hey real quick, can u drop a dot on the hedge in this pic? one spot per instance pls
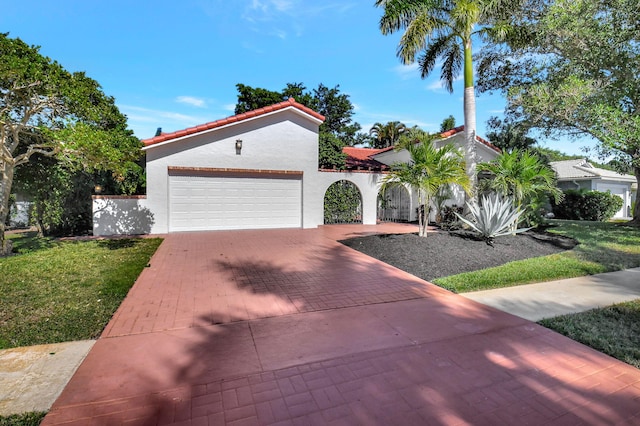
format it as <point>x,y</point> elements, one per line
<point>587,205</point>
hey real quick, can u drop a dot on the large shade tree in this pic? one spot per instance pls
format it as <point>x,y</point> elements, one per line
<point>46,110</point>
<point>427,173</point>
<point>574,70</point>
<point>444,30</point>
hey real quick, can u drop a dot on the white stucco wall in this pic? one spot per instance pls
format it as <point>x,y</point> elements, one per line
<point>119,215</point>
<point>286,140</point>
<point>368,183</point>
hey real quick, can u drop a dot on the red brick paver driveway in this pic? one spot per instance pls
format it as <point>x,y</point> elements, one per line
<point>289,327</point>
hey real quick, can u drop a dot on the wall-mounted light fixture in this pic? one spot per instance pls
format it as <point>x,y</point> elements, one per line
<point>97,189</point>
<point>238,146</point>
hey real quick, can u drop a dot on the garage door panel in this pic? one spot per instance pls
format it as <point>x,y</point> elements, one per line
<point>216,202</point>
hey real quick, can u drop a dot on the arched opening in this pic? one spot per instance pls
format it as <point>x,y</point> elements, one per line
<point>393,204</point>
<point>342,203</point>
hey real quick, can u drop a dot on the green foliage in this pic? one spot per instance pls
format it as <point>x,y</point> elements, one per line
<point>338,113</point>
<point>11,203</point>
<point>449,217</point>
<point>428,171</point>
<point>509,136</point>
<point>448,124</point>
<point>48,111</point>
<point>614,330</point>
<point>333,105</point>
<point>587,205</point>
<point>60,291</point>
<point>342,203</point>
<point>330,154</point>
<point>548,155</point>
<point>523,177</point>
<point>386,135</point>
<point>494,217</point>
<point>575,73</point>
<point>25,419</point>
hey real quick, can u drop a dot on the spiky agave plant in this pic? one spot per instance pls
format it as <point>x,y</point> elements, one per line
<point>495,217</point>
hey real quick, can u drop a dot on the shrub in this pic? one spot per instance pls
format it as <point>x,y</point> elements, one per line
<point>449,220</point>
<point>494,218</point>
<point>342,203</point>
<point>587,205</point>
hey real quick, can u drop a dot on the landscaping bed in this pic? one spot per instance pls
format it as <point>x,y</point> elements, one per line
<point>442,253</point>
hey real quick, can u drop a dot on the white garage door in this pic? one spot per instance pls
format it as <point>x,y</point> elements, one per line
<point>615,190</point>
<point>234,202</point>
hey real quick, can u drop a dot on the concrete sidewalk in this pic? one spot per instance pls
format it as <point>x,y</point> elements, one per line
<point>549,299</point>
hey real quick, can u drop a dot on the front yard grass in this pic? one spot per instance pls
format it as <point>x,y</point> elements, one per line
<point>614,330</point>
<point>26,419</point>
<point>56,291</point>
<point>604,247</point>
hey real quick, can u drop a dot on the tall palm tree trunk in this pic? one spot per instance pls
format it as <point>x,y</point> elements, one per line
<point>470,120</point>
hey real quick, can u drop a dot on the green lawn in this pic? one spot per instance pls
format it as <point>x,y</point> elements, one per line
<point>55,291</point>
<point>603,247</point>
<point>614,330</point>
<point>27,419</point>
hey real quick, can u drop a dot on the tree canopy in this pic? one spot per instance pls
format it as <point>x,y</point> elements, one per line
<point>46,110</point>
<point>509,136</point>
<point>448,124</point>
<point>386,135</point>
<point>572,67</point>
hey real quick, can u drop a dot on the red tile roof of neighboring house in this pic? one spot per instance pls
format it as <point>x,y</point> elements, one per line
<point>360,158</point>
<point>233,119</point>
<point>460,129</point>
<point>453,132</point>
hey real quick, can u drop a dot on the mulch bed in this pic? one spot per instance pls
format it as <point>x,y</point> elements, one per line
<point>442,254</point>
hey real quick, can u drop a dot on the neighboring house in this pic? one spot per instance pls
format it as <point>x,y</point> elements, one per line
<point>580,174</point>
<point>254,170</point>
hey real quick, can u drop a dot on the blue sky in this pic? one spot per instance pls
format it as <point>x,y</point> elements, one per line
<point>175,64</point>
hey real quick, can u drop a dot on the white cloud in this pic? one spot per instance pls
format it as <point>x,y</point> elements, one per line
<point>407,71</point>
<point>229,107</point>
<point>190,100</point>
<point>144,121</point>
<point>289,16</point>
<point>439,85</point>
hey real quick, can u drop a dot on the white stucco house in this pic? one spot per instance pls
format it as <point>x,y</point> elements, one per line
<point>254,170</point>
<point>581,174</point>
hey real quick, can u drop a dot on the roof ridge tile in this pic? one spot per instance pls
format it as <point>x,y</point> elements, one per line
<point>291,102</point>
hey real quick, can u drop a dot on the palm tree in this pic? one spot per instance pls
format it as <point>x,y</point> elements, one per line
<point>429,170</point>
<point>443,29</point>
<point>522,176</point>
<point>386,135</point>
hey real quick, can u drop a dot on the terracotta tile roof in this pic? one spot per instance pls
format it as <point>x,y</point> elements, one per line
<point>454,132</point>
<point>460,129</point>
<point>233,119</point>
<point>361,158</point>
